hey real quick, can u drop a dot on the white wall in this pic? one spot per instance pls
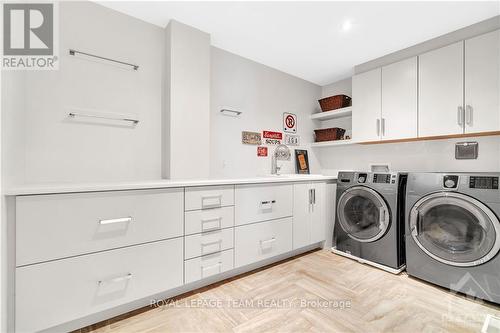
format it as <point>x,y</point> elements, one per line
<point>431,156</point>
<point>187,103</point>
<point>42,144</point>
<point>263,94</point>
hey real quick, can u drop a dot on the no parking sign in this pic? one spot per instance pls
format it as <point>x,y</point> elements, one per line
<point>289,123</point>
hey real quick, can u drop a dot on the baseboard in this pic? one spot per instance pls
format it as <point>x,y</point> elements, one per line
<point>368,262</point>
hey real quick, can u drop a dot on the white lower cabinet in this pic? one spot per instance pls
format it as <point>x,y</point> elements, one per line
<point>255,203</point>
<point>258,241</point>
<point>56,226</point>
<point>56,292</point>
<point>208,243</point>
<point>309,214</point>
<point>209,265</point>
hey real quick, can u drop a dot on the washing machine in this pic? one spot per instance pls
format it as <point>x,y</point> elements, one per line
<point>369,224</point>
<point>453,231</point>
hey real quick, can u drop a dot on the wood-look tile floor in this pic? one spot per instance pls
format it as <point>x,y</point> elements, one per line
<point>379,302</point>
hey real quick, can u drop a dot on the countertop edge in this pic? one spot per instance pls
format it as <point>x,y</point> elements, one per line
<point>124,186</point>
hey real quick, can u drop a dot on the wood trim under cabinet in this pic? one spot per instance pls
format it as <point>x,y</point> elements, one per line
<point>437,137</point>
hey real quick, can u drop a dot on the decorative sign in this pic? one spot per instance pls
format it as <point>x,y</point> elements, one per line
<point>301,161</point>
<point>251,138</point>
<point>272,142</point>
<point>262,151</point>
<point>289,123</point>
<point>272,135</point>
<point>292,140</point>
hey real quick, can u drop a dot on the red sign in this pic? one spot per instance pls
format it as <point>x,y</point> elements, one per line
<point>289,122</point>
<point>261,151</point>
<point>272,135</point>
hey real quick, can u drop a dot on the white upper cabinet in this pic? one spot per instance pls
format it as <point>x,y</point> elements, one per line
<point>399,100</point>
<point>441,91</point>
<point>366,106</point>
<point>482,83</point>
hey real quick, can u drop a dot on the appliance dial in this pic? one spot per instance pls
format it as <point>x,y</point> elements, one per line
<point>450,181</point>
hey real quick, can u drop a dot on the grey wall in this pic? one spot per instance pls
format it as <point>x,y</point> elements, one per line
<point>263,94</point>
<point>41,144</point>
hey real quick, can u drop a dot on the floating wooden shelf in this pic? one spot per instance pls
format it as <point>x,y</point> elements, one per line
<point>338,113</point>
<point>332,143</point>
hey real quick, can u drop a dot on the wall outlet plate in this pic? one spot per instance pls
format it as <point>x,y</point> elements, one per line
<point>466,150</point>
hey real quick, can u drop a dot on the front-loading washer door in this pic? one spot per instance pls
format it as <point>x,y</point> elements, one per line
<point>363,214</point>
<point>455,229</point>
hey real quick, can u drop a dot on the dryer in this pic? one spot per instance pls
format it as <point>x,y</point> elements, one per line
<point>453,231</point>
<point>369,224</point>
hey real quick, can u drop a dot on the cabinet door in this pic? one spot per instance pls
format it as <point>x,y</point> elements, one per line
<point>366,106</point>
<point>441,91</point>
<point>318,213</point>
<point>302,201</point>
<point>482,86</point>
<point>399,100</point>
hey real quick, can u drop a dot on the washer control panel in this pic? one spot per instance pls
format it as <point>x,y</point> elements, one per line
<point>484,183</point>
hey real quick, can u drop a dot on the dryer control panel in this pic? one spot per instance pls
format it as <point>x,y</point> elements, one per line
<point>486,183</point>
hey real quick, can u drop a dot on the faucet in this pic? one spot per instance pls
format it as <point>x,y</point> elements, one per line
<point>281,153</point>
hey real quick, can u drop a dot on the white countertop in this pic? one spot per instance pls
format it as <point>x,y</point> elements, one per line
<point>154,184</point>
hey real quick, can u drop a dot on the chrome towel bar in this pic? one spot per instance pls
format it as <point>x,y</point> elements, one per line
<point>75,114</point>
<point>75,52</point>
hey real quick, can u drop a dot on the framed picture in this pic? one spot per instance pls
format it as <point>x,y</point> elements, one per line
<point>301,161</point>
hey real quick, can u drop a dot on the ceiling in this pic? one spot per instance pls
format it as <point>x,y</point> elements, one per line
<point>312,40</point>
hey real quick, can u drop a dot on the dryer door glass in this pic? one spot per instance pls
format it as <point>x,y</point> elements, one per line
<point>363,214</point>
<point>455,229</point>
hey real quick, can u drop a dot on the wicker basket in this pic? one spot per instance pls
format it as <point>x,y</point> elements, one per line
<point>329,134</point>
<point>334,102</point>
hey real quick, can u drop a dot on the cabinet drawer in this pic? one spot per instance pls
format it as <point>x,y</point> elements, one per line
<point>63,225</point>
<point>197,221</point>
<point>209,197</point>
<point>56,292</point>
<point>207,243</point>
<point>256,203</point>
<point>263,240</point>
<point>202,267</point>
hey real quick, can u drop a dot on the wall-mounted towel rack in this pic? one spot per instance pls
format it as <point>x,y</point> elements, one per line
<point>86,115</point>
<point>75,52</point>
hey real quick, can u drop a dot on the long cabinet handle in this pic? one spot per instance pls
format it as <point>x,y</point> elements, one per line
<point>468,115</point>
<point>382,126</point>
<point>460,116</point>
<point>119,220</point>
<point>314,196</point>
<point>128,276</point>
<point>378,127</point>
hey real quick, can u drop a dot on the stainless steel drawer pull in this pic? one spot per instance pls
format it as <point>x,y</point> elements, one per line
<point>268,202</point>
<point>120,220</point>
<point>215,219</point>
<point>211,201</point>
<point>266,242</point>
<point>217,265</point>
<point>217,242</point>
<point>128,276</point>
